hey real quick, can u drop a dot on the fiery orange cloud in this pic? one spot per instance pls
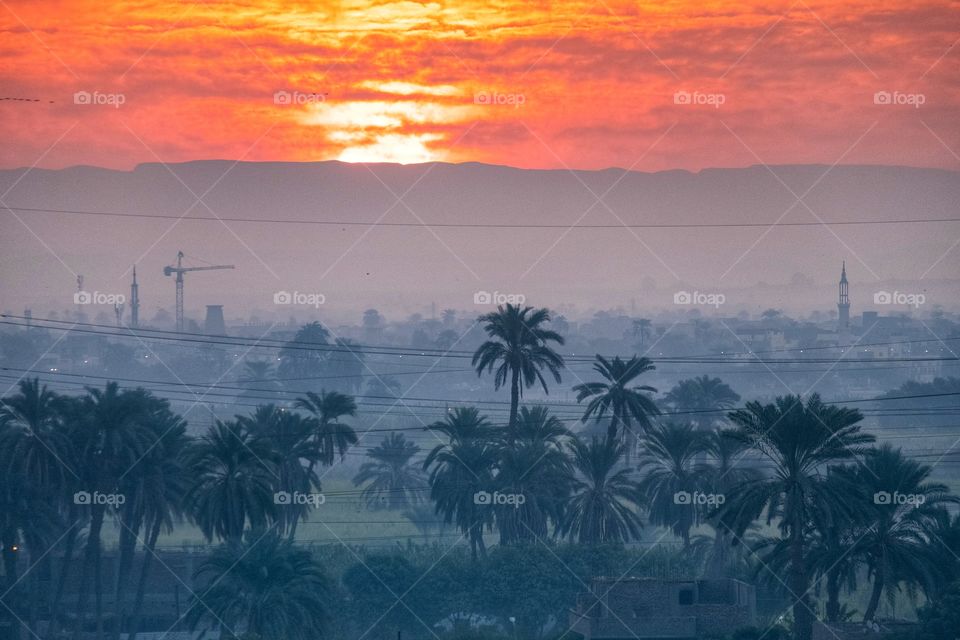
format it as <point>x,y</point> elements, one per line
<point>533,84</point>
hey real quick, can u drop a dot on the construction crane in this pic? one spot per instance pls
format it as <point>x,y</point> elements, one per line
<point>180,270</point>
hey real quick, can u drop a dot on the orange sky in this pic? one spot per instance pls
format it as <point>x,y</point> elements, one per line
<point>582,84</point>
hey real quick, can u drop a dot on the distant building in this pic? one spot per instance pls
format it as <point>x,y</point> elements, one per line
<point>656,609</point>
<point>843,305</point>
<point>214,324</point>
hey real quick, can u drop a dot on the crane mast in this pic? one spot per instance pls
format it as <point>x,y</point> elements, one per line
<point>179,270</point>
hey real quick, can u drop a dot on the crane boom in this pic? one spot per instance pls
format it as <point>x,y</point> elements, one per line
<point>180,270</point>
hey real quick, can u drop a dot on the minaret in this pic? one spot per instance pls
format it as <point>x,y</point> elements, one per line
<point>134,301</point>
<point>843,306</point>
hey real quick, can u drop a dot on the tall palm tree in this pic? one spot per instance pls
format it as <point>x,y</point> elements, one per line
<point>519,350</point>
<point>115,436</point>
<point>163,483</point>
<point>258,379</point>
<point>800,440</point>
<point>264,587</point>
<point>293,451</point>
<point>670,472</point>
<point>306,355</point>
<point>462,468</point>
<point>332,436</point>
<point>71,410</point>
<point>464,424</point>
<point>723,473</point>
<point>626,404</point>
<point>139,487</point>
<point>834,537</point>
<point>391,475</point>
<point>33,440</point>
<point>702,400</point>
<point>34,473</point>
<point>540,472</point>
<point>904,509</point>
<point>606,501</point>
<point>233,476</point>
<point>536,424</point>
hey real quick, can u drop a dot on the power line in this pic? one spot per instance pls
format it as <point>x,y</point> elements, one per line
<point>477,225</point>
<point>445,401</point>
<point>293,345</point>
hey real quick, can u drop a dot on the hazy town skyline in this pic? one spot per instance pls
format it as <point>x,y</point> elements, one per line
<point>400,238</point>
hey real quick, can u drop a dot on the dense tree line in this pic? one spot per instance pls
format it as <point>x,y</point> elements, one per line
<point>793,489</point>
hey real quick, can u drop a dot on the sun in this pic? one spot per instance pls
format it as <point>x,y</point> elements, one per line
<point>393,147</point>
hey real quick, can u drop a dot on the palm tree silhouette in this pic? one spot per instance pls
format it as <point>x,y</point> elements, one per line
<point>701,400</point>
<point>799,439</point>
<point>519,350</point>
<point>606,501</point>
<point>461,472</point>
<point>903,508</point>
<point>332,437</point>
<point>265,587</point>
<point>233,475</point>
<point>626,404</point>
<point>391,475</point>
<point>671,478</point>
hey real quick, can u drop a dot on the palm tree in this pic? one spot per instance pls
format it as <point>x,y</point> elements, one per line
<point>306,355</point>
<point>33,440</point>
<point>26,516</point>
<point>258,380</point>
<point>606,502</point>
<point>115,436</point>
<point>390,474</point>
<point>723,474</point>
<point>289,438</point>
<point>671,480</point>
<point>163,484</point>
<point>233,476</point>
<point>464,424</point>
<point>625,403</point>
<point>540,472</point>
<point>834,537</point>
<point>519,350</point>
<point>137,485</point>
<point>461,470</point>
<point>34,473</point>
<point>799,439</point>
<point>904,507</point>
<point>332,437</point>
<point>702,399</point>
<point>264,587</point>
<point>535,424</point>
